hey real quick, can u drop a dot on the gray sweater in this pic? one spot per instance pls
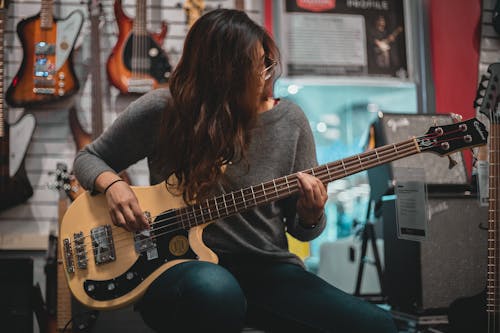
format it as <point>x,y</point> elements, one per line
<point>282,144</point>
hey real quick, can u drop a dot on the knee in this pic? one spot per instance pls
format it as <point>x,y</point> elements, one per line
<point>214,288</point>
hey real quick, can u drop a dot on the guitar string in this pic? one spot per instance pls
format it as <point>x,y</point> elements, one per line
<point>353,162</point>
<point>492,277</point>
<point>173,227</point>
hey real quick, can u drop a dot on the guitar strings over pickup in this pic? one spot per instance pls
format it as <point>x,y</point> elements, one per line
<point>102,244</point>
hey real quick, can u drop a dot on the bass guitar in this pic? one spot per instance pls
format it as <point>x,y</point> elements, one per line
<point>137,63</point>
<point>46,73</point>
<point>15,187</point>
<point>481,312</point>
<point>108,267</point>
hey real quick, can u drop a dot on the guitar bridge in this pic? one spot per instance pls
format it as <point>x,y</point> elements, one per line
<point>103,245</point>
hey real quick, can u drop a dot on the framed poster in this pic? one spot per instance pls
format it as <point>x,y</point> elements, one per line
<point>345,37</point>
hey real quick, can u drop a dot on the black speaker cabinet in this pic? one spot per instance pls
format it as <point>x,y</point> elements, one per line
<point>393,128</point>
<point>425,277</point>
<point>16,288</point>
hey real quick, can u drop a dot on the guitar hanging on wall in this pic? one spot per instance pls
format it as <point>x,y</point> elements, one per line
<point>108,267</point>
<point>489,108</point>
<point>137,63</point>
<point>46,73</point>
<point>82,138</point>
<point>481,312</point>
<point>15,187</point>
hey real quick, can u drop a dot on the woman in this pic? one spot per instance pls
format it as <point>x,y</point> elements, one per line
<point>217,129</point>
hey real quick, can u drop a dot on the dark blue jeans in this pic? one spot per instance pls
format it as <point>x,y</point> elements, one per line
<point>204,297</point>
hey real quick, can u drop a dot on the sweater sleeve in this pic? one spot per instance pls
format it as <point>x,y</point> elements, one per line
<point>305,158</point>
<point>129,139</point>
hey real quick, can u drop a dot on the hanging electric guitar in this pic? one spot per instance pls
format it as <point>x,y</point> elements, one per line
<point>82,138</point>
<point>108,267</point>
<point>137,63</point>
<point>15,187</point>
<point>46,73</point>
<point>481,312</point>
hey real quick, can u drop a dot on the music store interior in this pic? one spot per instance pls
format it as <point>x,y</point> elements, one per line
<point>401,98</point>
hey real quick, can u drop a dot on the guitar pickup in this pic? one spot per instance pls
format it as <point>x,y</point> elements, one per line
<point>103,245</point>
<point>44,83</point>
<point>68,256</point>
<point>42,48</point>
<point>44,91</point>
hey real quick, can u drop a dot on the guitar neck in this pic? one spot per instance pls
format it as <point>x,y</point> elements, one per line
<point>97,121</point>
<point>231,203</point>
<point>493,293</point>
<point>139,27</point>
<point>46,16</point>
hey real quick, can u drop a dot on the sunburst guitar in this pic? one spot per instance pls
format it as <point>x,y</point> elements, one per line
<point>138,62</point>
<point>46,74</point>
<point>108,267</point>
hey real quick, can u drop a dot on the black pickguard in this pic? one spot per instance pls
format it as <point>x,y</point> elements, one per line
<point>106,290</point>
<point>159,66</point>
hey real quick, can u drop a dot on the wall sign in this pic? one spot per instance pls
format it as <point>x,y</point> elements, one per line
<point>346,37</point>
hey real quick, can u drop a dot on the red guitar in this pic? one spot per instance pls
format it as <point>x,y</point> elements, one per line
<point>137,63</point>
<point>46,73</point>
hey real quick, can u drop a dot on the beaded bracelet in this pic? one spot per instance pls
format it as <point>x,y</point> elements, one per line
<point>113,182</point>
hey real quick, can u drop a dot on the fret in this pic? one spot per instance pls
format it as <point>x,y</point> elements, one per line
<point>209,211</point>
<point>328,171</point>
<point>343,166</point>
<point>287,185</point>
<point>264,192</point>
<point>312,172</point>
<point>194,214</point>
<point>396,149</point>
<point>234,202</point>
<point>360,163</point>
<point>275,188</point>
<point>376,153</point>
<point>253,193</point>
<point>180,216</point>
<point>243,197</point>
<point>225,204</point>
<point>217,207</point>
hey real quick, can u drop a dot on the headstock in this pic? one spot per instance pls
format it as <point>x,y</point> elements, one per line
<point>488,94</point>
<point>62,179</point>
<point>447,139</point>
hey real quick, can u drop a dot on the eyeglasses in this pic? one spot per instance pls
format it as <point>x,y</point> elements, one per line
<point>268,71</point>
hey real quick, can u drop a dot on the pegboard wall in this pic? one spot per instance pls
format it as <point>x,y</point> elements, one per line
<point>26,226</point>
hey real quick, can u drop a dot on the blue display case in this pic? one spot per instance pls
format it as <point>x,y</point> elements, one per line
<point>340,112</point>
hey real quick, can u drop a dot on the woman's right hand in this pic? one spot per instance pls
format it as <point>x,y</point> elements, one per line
<point>124,208</point>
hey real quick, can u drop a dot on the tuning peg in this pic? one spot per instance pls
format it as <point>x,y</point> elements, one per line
<point>456,117</point>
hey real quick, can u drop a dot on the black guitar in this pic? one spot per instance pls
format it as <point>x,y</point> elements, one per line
<point>15,187</point>
<point>481,313</point>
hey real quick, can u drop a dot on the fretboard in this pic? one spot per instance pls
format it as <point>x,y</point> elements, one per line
<point>139,27</point>
<point>237,201</point>
<point>493,295</point>
<point>46,17</point>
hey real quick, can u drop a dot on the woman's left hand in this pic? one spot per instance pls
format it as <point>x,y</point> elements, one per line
<point>312,199</point>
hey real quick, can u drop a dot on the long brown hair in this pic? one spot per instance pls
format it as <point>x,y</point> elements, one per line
<point>215,91</point>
